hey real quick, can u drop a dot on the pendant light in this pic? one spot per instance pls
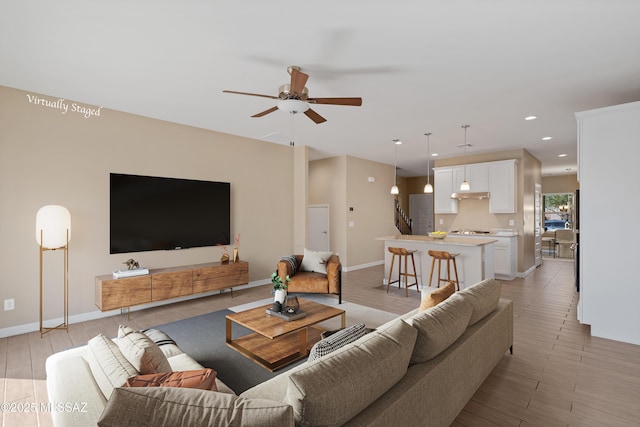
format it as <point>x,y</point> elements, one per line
<point>465,184</point>
<point>394,189</point>
<point>428,188</point>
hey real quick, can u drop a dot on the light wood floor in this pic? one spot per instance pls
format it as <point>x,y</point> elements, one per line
<point>558,375</point>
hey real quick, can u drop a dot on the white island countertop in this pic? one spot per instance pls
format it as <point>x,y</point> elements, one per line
<point>449,240</point>
<point>474,260</point>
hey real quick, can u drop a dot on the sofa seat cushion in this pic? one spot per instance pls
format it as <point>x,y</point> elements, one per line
<point>484,297</point>
<point>108,365</point>
<point>331,390</point>
<point>440,326</point>
<point>204,379</point>
<point>167,406</point>
<point>307,281</point>
<point>141,351</point>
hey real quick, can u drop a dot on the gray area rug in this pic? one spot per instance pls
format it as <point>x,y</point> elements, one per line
<point>203,338</point>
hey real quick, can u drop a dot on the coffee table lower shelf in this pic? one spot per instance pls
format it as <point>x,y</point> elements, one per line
<point>275,354</point>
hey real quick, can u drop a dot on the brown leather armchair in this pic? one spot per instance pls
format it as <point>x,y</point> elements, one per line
<point>312,282</point>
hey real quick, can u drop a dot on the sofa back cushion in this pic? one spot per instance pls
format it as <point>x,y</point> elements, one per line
<point>440,326</point>
<point>484,297</point>
<point>331,390</point>
<point>108,365</point>
<point>168,406</point>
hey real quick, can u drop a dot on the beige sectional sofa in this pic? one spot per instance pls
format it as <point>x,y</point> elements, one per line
<point>418,369</point>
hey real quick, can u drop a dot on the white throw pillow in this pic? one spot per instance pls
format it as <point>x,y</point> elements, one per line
<point>142,352</point>
<point>315,261</point>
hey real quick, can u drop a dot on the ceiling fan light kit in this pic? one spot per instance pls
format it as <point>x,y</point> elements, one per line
<point>293,106</point>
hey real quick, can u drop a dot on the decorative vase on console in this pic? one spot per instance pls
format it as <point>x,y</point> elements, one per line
<point>236,256</point>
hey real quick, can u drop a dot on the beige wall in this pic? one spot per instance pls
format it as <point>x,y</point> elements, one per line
<point>342,183</point>
<point>47,157</point>
<point>560,184</point>
<point>372,214</point>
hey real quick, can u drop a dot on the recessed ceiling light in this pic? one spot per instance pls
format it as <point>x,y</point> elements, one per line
<point>562,155</point>
<point>434,155</point>
<point>547,138</point>
<point>397,142</point>
<point>531,117</point>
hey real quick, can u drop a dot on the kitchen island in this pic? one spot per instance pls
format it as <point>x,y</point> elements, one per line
<point>475,262</point>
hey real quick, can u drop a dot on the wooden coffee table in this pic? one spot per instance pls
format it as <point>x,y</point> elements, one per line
<point>275,342</point>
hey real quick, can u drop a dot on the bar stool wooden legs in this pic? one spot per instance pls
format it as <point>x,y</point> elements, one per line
<point>403,254</point>
<point>444,256</point>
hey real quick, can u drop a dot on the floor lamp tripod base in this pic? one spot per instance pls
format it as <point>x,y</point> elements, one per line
<point>65,323</point>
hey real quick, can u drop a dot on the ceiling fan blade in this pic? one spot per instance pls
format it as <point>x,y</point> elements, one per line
<point>265,112</point>
<point>298,81</point>
<point>314,116</point>
<point>250,94</point>
<point>336,101</point>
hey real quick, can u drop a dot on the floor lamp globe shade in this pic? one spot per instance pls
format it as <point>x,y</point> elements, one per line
<point>53,226</point>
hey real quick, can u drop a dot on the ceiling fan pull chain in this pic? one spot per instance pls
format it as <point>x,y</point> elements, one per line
<point>292,143</point>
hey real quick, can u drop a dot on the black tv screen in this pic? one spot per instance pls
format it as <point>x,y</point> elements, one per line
<point>153,213</point>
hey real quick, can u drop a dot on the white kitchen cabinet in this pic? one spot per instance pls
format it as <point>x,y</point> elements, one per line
<point>478,177</point>
<point>502,197</point>
<point>458,177</point>
<point>505,257</point>
<point>443,179</point>
<point>498,178</point>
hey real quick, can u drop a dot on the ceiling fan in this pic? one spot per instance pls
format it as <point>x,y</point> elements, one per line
<point>294,97</point>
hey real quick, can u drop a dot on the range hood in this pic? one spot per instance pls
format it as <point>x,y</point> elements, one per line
<point>470,195</point>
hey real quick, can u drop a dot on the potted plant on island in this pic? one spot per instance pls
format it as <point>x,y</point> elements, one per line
<point>279,289</point>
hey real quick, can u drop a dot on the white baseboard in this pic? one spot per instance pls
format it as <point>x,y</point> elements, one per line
<point>93,315</point>
<point>361,266</point>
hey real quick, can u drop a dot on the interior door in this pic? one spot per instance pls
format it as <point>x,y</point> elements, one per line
<point>537,212</point>
<point>421,213</point>
<point>318,228</point>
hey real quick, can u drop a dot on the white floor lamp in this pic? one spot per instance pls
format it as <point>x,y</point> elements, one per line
<point>53,232</point>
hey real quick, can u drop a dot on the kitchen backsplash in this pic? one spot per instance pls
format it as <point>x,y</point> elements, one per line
<point>474,214</point>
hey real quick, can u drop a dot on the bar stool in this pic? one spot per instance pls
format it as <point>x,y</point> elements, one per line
<point>444,256</point>
<point>403,253</point>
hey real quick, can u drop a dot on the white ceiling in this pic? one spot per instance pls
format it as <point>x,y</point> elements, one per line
<point>419,66</point>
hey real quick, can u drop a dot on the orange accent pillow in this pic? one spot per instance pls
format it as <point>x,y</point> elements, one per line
<point>204,379</point>
<point>437,296</point>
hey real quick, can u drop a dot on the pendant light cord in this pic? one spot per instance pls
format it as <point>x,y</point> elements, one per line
<point>428,159</point>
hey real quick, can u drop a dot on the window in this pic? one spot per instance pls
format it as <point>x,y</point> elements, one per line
<point>558,211</point>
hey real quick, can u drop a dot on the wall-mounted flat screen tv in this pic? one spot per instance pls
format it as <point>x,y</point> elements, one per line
<point>151,213</point>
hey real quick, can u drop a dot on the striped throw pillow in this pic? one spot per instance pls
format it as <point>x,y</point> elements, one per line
<point>337,340</point>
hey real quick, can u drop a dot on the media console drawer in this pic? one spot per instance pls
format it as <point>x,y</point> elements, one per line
<point>212,277</point>
<point>166,283</point>
<point>117,293</point>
